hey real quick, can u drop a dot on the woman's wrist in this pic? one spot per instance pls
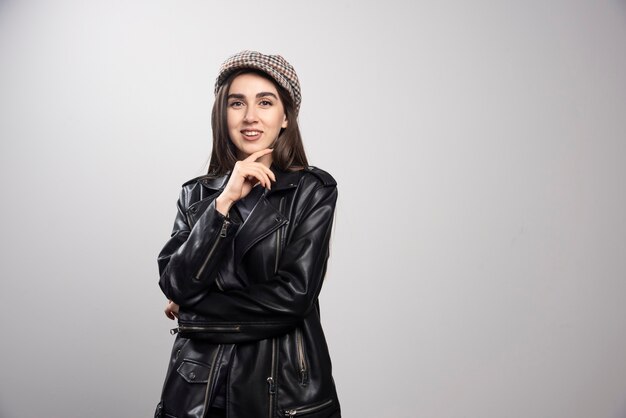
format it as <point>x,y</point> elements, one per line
<point>223,205</point>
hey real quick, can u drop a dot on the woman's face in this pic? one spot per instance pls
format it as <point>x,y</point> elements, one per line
<point>255,113</point>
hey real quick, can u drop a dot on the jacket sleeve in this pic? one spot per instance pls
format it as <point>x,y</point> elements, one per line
<point>191,257</point>
<point>277,305</point>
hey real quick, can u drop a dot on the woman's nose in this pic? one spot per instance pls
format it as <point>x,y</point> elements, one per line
<point>250,115</point>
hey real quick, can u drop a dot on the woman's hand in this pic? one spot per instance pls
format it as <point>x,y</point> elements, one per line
<point>246,173</point>
<point>171,310</point>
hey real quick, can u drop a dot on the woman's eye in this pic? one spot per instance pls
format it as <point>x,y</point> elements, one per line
<point>265,103</point>
<point>236,104</point>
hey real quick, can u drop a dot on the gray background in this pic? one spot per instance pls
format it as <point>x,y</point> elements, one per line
<point>479,251</point>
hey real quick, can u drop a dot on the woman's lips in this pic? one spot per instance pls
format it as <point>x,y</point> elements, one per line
<point>251,134</point>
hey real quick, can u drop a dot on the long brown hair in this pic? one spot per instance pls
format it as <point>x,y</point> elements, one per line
<point>288,154</point>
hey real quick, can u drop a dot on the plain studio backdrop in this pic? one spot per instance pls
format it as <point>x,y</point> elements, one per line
<point>478,259</point>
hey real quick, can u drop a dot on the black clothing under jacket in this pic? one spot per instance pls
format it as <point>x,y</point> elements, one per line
<point>248,295</point>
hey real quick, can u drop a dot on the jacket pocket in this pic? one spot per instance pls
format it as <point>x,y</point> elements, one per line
<point>303,364</point>
<point>189,378</point>
<point>193,371</point>
<point>308,409</point>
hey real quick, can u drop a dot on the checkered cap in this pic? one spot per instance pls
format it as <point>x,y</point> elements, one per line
<point>274,65</point>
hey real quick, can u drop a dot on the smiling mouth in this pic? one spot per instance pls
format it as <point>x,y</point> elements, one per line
<point>251,134</point>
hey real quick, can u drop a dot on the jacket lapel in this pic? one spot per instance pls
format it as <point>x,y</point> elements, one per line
<point>262,221</point>
<point>265,218</point>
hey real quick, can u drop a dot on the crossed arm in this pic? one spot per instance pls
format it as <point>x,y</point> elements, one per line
<point>266,308</point>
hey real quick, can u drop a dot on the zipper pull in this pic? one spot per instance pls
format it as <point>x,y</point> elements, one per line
<point>272,386</point>
<point>290,412</point>
<point>224,227</point>
<point>303,376</point>
<point>174,330</point>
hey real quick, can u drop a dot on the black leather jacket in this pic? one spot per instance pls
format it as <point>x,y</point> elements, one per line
<point>248,295</point>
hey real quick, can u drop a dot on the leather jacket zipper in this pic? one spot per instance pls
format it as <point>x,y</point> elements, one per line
<point>277,250</point>
<point>271,380</point>
<point>221,235</point>
<point>205,328</point>
<point>209,384</point>
<point>301,359</point>
<point>278,235</point>
<point>307,409</point>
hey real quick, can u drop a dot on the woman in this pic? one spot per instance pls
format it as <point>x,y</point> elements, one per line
<point>245,263</point>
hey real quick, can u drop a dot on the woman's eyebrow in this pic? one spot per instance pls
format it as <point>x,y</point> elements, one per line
<point>266,93</point>
<point>261,94</point>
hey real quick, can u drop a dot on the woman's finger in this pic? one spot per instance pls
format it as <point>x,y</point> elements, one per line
<point>266,170</point>
<point>261,175</point>
<point>170,310</point>
<point>255,155</point>
<point>269,172</point>
<point>168,313</point>
<point>266,177</point>
<point>257,172</point>
<point>249,170</point>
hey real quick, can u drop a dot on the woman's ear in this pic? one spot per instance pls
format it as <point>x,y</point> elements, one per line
<point>285,122</point>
